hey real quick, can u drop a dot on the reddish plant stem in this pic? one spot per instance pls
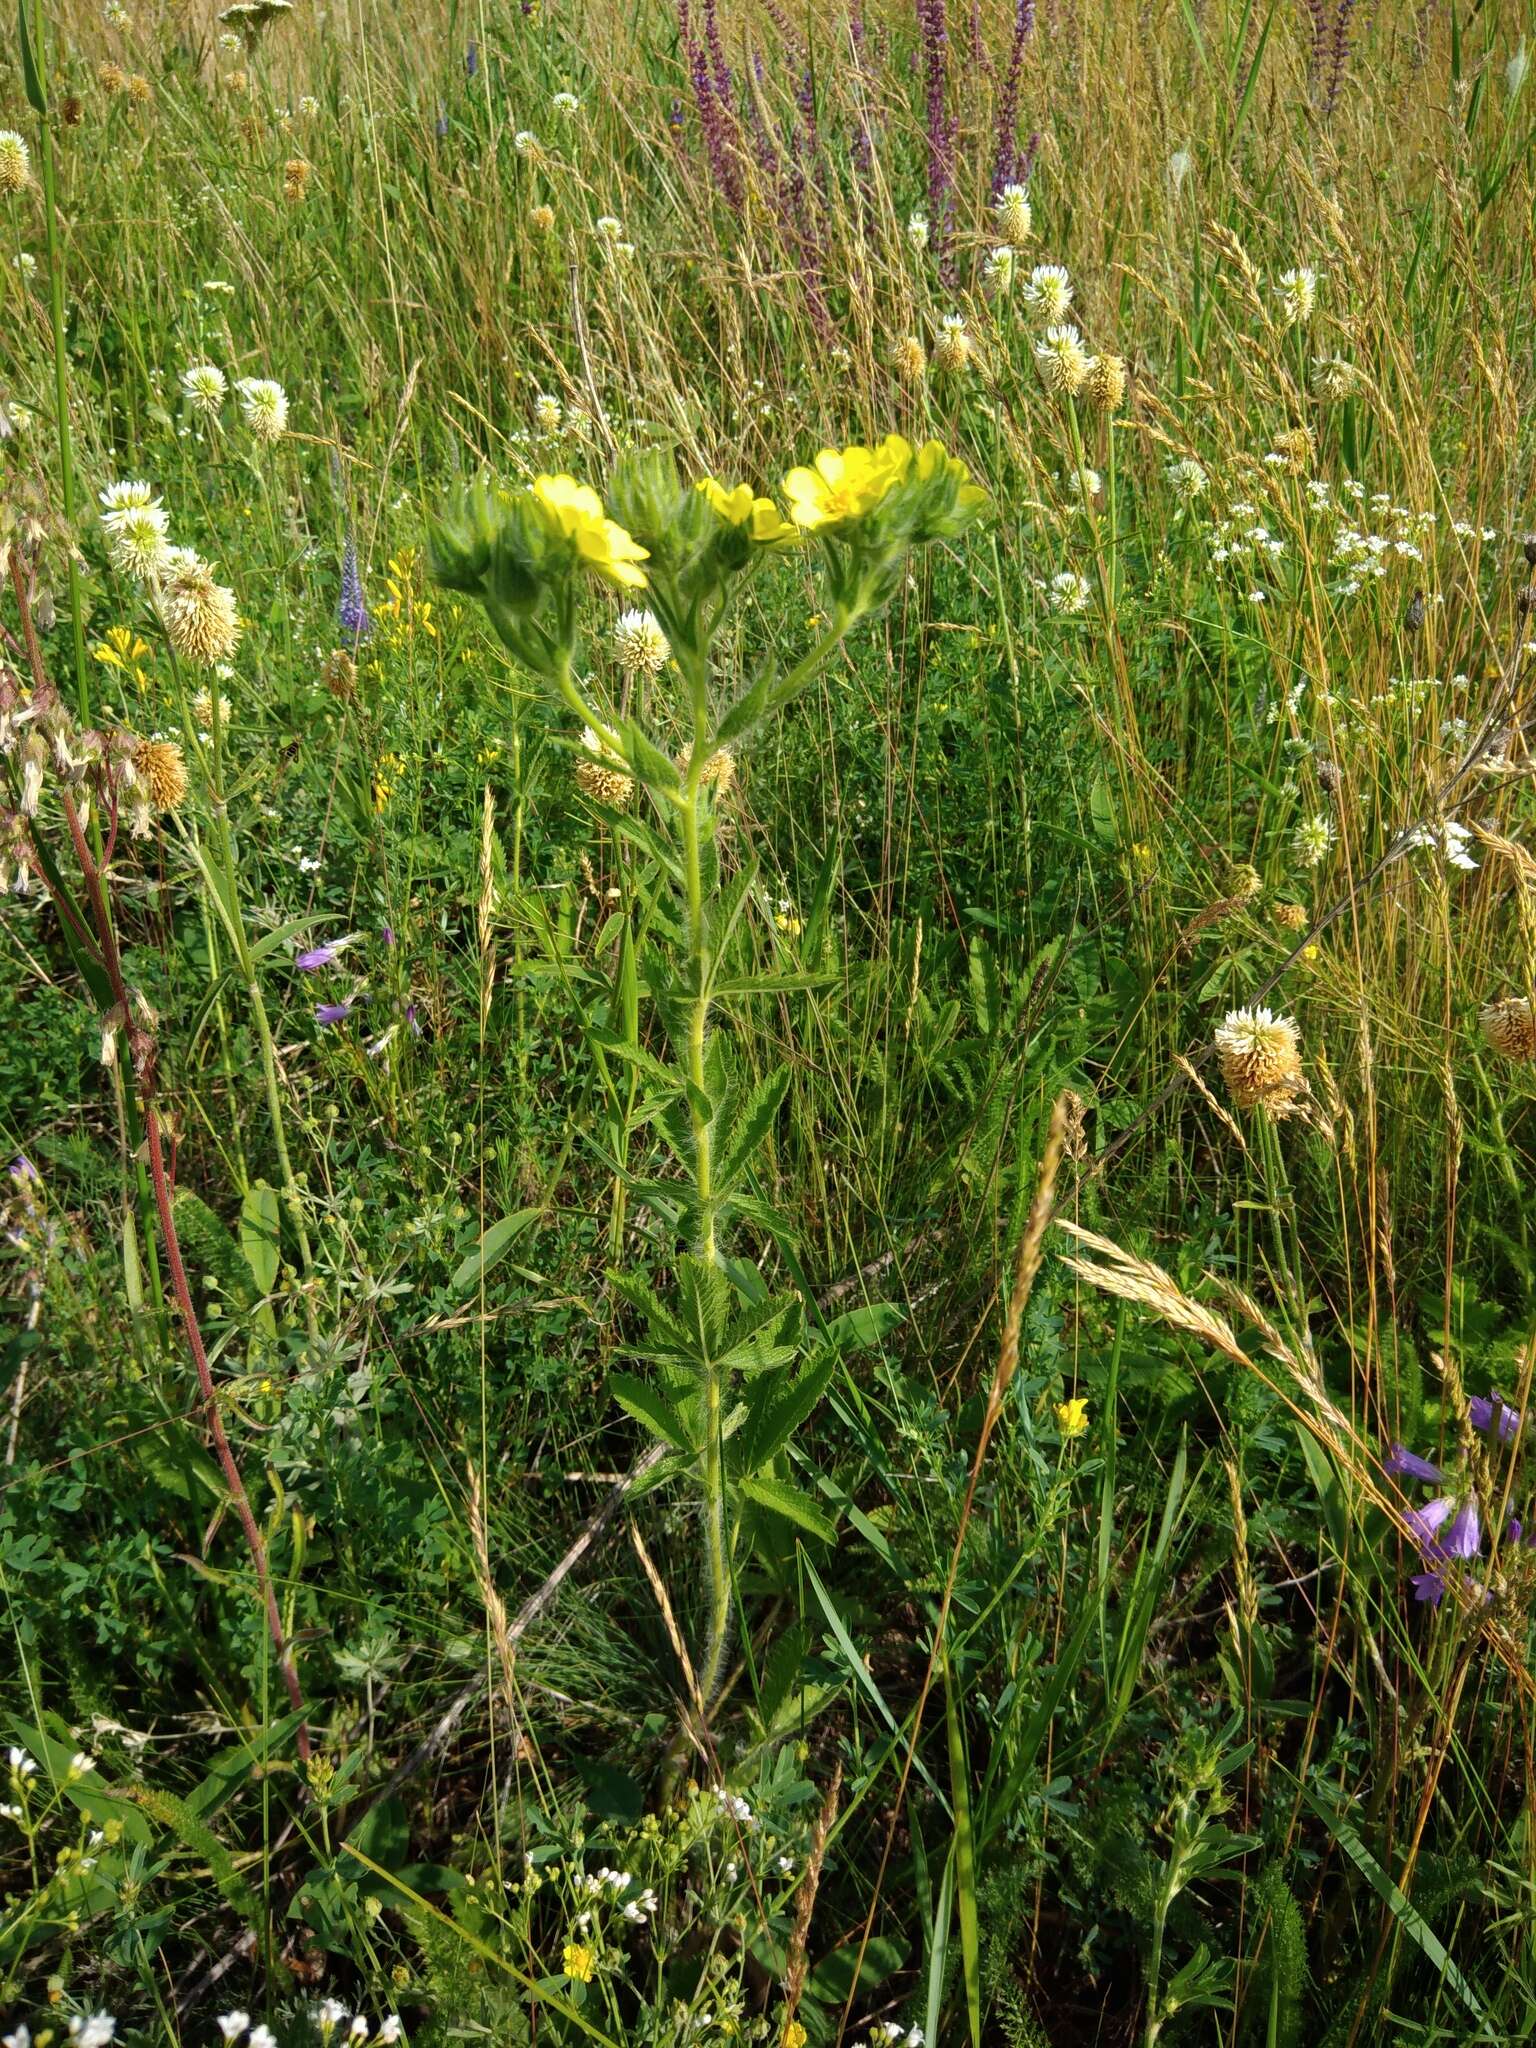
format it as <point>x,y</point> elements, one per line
<point>142,1043</point>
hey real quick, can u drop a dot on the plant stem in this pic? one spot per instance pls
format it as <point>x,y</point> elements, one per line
<point>717,1560</point>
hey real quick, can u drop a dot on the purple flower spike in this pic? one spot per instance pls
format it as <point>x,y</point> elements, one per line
<point>352,612</point>
<point>23,1169</point>
<point>1482,1412</point>
<point>332,1013</point>
<point>1424,1525</point>
<point>1428,1587</point>
<point>1464,1538</point>
<point>1513,1532</point>
<point>472,58</point>
<point>1403,1463</point>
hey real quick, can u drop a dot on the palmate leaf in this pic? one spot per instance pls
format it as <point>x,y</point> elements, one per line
<point>788,1500</point>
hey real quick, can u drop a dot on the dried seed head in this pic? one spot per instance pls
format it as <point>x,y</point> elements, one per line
<point>295,179</point>
<point>200,618</point>
<point>911,359</point>
<point>1291,917</point>
<point>161,773</point>
<point>111,77</point>
<point>340,675</point>
<point>1528,549</point>
<point>1330,776</point>
<point>71,110</point>
<point>541,219</point>
<point>603,776</point>
<point>139,88</point>
<point>1260,1056</point>
<point>1297,447</point>
<point>1104,386</point>
<point>1510,1028</point>
<point>718,772</point>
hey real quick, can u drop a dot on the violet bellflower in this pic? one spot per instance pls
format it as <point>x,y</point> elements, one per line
<point>333,1013</point>
<point>1482,1411</point>
<point>1405,1464</point>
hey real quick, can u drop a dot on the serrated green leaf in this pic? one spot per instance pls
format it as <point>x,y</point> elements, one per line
<point>790,1501</point>
<point>638,1398</point>
<point>751,1126</point>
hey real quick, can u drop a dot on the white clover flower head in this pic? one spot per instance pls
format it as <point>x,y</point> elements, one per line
<point>1313,839</point>
<point>1333,377</point>
<point>566,105</point>
<point>206,386</point>
<point>229,42</point>
<point>124,497</point>
<point>998,268</point>
<point>608,227</point>
<point>918,231</point>
<point>1014,214</point>
<point>1062,360</point>
<point>1081,483</point>
<point>1049,291</point>
<point>526,143</point>
<point>1179,166</point>
<point>265,405</point>
<point>1067,592</point>
<point>547,413</point>
<point>1297,292</point>
<point>1186,478</point>
<point>309,106</point>
<point>15,162</point>
<point>116,15</point>
<point>639,644</point>
<point>137,541</point>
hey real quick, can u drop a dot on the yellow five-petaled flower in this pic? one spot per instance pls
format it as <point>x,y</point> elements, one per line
<point>579,1962</point>
<point>575,512</point>
<point>845,483</point>
<point>1072,1418</point>
<point>740,506</point>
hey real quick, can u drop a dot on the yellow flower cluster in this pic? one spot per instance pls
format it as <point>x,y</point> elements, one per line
<point>844,484</point>
<point>574,512</point>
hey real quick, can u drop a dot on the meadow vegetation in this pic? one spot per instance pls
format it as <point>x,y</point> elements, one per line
<point>767,1071</point>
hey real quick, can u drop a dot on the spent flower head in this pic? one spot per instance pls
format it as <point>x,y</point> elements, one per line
<point>1014,216</point>
<point>1297,292</point>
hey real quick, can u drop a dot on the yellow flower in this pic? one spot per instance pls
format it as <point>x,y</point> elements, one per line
<point>579,1962</point>
<point>846,483</point>
<point>794,2036</point>
<point>1072,1418</point>
<point>740,506</point>
<point>575,512</point>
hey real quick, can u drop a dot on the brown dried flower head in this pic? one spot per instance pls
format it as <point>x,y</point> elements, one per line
<point>161,773</point>
<point>1260,1056</point>
<point>1104,386</point>
<point>1510,1028</point>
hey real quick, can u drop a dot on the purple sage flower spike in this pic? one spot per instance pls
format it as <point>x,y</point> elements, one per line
<point>352,611</point>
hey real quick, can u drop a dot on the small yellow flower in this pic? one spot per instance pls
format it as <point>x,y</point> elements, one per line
<point>575,512</point>
<point>794,2036</point>
<point>844,484</point>
<point>740,506</point>
<point>579,1962</point>
<point>1072,1418</point>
